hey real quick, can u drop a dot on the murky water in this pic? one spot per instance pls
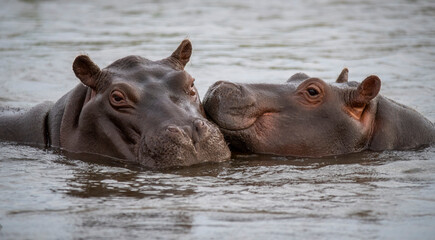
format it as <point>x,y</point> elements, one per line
<point>388,195</point>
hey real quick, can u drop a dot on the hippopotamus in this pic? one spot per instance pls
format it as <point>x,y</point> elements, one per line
<point>307,117</point>
<point>135,110</point>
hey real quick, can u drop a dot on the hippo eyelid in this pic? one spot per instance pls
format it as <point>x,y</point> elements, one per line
<point>123,96</point>
<point>118,99</point>
<point>130,92</point>
<point>313,90</point>
<point>311,82</point>
<point>191,90</point>
<point>190,81</point>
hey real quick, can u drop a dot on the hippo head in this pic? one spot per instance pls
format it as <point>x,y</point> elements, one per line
<point>303,117</point>
<point>141,111</point>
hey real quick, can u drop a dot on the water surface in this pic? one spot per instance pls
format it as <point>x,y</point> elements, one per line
<point>386,195</point>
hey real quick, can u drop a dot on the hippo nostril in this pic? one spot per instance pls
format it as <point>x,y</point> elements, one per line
<point>201,130</point>
<point>198,123</point>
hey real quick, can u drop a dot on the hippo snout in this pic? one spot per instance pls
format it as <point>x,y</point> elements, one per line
<point>230,104</point>
<point>228,96</point>
<point>228,89</point>
<point>225,83</point>
<point>183,145</point>
<point>194,133</point>
<point>201,130</point>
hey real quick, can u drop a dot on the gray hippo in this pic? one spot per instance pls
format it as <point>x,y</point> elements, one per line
<point>135,110</point>
<point>309,117</point>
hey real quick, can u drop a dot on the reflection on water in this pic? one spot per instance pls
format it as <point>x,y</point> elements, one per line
<point>362,195</point>
<point>365,195</point>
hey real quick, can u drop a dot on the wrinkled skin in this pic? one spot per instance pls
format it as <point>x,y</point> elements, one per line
<point>309,117</point>
<point>135,110</point>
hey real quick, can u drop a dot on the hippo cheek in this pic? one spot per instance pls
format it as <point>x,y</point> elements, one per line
<point>183,146</point>
<point>265,132</point>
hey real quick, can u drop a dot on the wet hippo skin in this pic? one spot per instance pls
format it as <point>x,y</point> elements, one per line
<point>135,110</point>
<point>309,117</point>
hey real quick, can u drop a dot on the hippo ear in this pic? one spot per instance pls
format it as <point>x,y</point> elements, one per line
<point>368,89</point>
<point>343,77</point>
<point>298,77</point>
<point>359,98</point>
<point>86,70</point>
<point>183,52</point>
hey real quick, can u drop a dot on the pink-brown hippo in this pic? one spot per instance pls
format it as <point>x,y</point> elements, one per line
<point>309,117</point>
<point>135,110</point>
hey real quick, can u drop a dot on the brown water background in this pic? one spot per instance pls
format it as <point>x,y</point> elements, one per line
<point>387,195</point>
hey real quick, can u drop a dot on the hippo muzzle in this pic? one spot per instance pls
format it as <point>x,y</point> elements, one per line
<point>183,145</point>
<point>235,106</point>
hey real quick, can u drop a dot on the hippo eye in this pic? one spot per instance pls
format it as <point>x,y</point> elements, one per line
<point>312,91</point>
<point>117,98</point>
<point>192,91</point>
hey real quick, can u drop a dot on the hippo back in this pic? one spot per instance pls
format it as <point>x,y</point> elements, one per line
<point>27,127</point>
